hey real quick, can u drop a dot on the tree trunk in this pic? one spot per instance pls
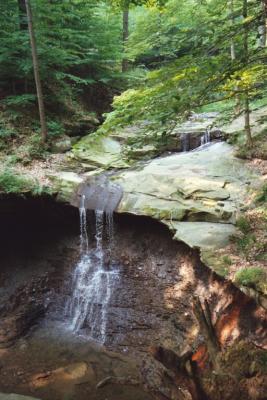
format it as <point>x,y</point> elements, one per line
<point>263,26</point>
<point>232,47</point>
<point>247,120</point>
<point>233,54</point>
<point>36,72</point>
<point>125,33</point>
<point>203,316</point>
<point>246,60</point>
<point>184,370</point>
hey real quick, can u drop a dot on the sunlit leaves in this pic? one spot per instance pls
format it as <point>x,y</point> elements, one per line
<point>185,49</point>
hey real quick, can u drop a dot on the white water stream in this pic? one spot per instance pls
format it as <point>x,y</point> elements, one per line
<point>93,281</point>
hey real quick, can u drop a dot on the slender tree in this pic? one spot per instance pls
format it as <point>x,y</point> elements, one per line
<point>246,60</point>
<point>125,5</point>
<point>263,22</point>
<point>36,72</point>
<point>233,52</point>
<point>232,46</point>
<point>125,31</point>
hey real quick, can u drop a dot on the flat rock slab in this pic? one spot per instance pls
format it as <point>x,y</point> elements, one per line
<point>202,235</point>
<point>197,193</point>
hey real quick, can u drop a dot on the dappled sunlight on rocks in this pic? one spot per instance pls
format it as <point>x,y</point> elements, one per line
<point>184,285</point>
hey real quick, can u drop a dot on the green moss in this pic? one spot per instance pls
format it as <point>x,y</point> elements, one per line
<point>251,277</point>
<point>221,270</point>
<point>11,182</point>
<point>227,260</point>
<point>262,195</point>
<point>246,243</point>
<point>244,359</point>
<point>243,224</point>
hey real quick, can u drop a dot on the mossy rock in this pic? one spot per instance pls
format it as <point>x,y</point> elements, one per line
<point>100,151</point>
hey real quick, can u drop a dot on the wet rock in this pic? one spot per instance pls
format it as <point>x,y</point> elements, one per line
<point>22,311</point>
<point>18,323</point>
<point>74,372</point>
<point>100,194</point>
<point>65,185</point>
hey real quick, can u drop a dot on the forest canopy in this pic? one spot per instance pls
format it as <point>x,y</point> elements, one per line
<point>160,58</point>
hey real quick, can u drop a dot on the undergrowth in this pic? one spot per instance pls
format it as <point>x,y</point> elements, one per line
<point>12,182</point>
<point>254,277</point>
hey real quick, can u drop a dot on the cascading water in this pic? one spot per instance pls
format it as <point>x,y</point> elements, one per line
<point>185,140</point>
<point>205,139</point>
<point>93,280</point>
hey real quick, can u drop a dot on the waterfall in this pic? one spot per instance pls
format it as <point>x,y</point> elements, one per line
<point>205,139</point>
<point>185,140</point>
<point>83,226</point>
<point>94,279</point>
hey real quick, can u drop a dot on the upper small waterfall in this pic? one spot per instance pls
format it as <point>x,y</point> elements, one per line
<point>94,277</point>
<point>185,140</point>
<point>205,139</point>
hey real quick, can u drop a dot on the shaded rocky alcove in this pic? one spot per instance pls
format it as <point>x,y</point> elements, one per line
<point>150,305</point>
<point>158,276</point>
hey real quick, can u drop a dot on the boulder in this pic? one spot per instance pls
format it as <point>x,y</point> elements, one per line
<point>61,145</point>
<point>100,151</point>
<point>81,125</point>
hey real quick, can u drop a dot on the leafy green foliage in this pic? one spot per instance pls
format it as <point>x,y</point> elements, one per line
<point>11,182</point>
<point>246,242</point>
<point>19,100</point>
<point>6,134</point>
<point>78,45</point>
<point>227,260</point>
<point>251,277</point>
<point>55,128</point>
<point>186,54</point>
<point>262,195</point>
<point>243,224</point>
<point>179,51</point>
